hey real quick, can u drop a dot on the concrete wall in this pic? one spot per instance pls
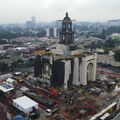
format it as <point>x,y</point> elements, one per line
<point>92,59</point>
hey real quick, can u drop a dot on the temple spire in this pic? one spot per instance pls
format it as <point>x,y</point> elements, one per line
<point>66,14</point>
<point>66,34</point>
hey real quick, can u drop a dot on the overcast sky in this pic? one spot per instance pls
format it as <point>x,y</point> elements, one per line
<point>50,10</point>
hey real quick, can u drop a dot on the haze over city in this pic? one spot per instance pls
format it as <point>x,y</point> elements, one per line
<point>59,60</point>
<point>50,10</point>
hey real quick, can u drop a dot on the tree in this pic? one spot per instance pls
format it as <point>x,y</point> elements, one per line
<point>106,51</point>
<point>109,43</point>
<point>31,61</point>
<point>19,63</point>
<point>4,67</point>
<point>117,55</point>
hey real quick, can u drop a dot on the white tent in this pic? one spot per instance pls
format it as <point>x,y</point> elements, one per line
<point>25,104</point>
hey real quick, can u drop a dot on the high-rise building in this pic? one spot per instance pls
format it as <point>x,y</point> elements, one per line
<point>56,32</point>
<point>52,32</point>
<point>32,23</point>
<point>33,19</point>
<point>47,32</point>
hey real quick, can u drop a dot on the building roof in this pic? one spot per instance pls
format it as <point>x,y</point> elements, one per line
<point>5,76</point>
<point>25,102</point>
<point>10,80</point>
<point>5,87</point>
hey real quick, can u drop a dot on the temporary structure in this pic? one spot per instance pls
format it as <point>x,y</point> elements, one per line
<point>25,104</point>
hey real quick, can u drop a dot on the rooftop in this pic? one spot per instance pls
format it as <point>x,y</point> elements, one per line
<point>25,102</point>
<point>5,87</point>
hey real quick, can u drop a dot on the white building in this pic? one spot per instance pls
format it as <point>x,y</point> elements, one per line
<point>52,32</point>
<point>25,104</point>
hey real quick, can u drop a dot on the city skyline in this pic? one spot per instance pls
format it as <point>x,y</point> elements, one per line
<point>50,10</point>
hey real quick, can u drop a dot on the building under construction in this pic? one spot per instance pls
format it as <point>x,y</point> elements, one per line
<point>64,65</point>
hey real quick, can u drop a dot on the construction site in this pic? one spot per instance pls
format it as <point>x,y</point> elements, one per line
<point>66,84</point>
<point>43,102</point>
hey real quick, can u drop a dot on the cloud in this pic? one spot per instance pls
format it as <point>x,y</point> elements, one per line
<point>49,10</point>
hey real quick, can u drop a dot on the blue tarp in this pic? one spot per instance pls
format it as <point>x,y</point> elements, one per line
<point>19,117</point>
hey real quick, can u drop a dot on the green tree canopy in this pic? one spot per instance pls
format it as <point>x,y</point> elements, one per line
<point>117,55</point>
<point>4,67</point>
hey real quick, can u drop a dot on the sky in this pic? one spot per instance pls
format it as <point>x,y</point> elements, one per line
<point>51,10</point>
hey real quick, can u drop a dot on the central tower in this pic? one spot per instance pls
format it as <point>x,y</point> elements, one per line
<point>66,34</point>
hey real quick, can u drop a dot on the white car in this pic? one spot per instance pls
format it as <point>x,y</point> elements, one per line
<point>48,112</point>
